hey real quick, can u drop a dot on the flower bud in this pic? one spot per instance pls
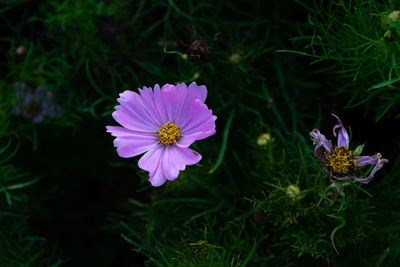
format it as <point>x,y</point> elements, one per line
<point>292,191</point>
<point>235,58</point>
<point>263,139</point>
<point>390,20</point>
<point>20,50</point>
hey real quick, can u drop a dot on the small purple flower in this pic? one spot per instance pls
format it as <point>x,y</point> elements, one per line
<point>340,163</point>
<point>163,123</point>
<point>35,105</point>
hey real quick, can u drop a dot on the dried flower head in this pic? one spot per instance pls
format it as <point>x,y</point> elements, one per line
<point>35,104</point>
<point>197,51</point>
<point>162,122</point>
<point>341,163</point>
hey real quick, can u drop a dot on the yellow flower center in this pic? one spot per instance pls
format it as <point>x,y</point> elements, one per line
<point>340,161</point>
<point>168,133</point>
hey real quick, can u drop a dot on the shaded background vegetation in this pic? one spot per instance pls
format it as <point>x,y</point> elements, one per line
<point>277,67</point>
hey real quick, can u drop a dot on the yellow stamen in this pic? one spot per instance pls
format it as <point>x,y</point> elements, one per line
<point>340,161</point>
<point>168,133</point>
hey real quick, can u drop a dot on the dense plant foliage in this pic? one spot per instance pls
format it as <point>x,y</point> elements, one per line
<point>274,71</point>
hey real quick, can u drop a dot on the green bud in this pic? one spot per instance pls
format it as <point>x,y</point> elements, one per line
<point>235,58</point>
<point>292,191</point>
<point>263,139</point>
<point>358,150</point>
<point>391,19</point>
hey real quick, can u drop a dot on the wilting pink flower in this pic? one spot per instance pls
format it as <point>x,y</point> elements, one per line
<point>340,163</point>
<point>163,123</point>
<point>35,104</point>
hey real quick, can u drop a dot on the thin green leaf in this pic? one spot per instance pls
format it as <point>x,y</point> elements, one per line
<point>224,143</point>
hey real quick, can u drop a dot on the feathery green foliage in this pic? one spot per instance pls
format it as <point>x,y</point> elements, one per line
<point>66,198</point>
<point>360,41</point>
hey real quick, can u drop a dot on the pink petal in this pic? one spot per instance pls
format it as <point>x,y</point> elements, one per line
<point>194,92</point>
<point>186,156</point>
<point>148,161</point>
<point>187,140</point>
<point>161,106</point>
<point>132,114</point>
<point>121,131</point>
<point>199,124</point>
<point>173,102</point>
<point>130,143</point>
<point>170,166</point>
<point>165,162</point>
<point>197,92</point>
<point>149,102</point>
<point>125,118</point>
<point>173,98</point>
<point>175,159</point>
<point>167,102</point>
<point>157,91</point>
<point>152,162</point>
<point>157,179</point>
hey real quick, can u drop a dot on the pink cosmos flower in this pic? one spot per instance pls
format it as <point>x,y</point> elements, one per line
<point>339,162</point>
<point>163,123</point>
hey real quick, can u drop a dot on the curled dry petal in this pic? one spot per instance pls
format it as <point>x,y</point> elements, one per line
<point>343,136</point>
<point>319,140</point>
<point>367,160</point>
<point>345,178</point>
